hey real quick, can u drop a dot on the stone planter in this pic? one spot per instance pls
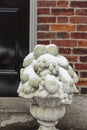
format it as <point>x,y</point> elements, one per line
<point>47,112</point>
<point>49,80</point>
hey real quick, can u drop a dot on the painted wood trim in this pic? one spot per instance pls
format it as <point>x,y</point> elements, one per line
<point>33,25</point>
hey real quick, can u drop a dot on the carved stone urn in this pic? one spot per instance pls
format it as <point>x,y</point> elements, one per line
<point>49,80</point>
<point>47,112</point>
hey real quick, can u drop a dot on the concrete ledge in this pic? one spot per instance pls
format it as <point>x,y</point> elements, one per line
<point>76,115</point>
<point>14,114</point>
<point>13,104</point>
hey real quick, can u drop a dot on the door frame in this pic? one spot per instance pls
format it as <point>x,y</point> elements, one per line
<point>33,25</point>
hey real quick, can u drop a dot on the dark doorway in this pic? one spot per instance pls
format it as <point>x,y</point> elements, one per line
<point>14,43</point>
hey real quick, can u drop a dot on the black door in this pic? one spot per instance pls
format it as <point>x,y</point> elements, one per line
<point>14,43</point>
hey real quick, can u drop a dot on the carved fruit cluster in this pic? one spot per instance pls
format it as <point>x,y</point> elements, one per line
<point>47,74</point>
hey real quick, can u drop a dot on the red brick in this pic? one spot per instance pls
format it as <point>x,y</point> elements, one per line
<point>64,43</point>
<point>83,74</point>
<point>72,58</point>
<point>82,43</point>
<point>45,35</point>
<point>62,27</point>
<point>46,19</point>
<point>65,50</point>
<point>81,27</point>
<point>81,11</point>
<point>79,35</point>
<point>81,4</point>
<point>62,3</point>
<point>43,42</point>
<point>83,90</point>
<point>46,3</point>
<point>82,82</point>
<point>81,66</point>
<point>62,35</point>
<point>81,51</point>
<point>83,59</point>
<point>42,11</point>
<point>62,19</point>
<point>77,19</point>
<point>56,11</point>
<point>43,27</point>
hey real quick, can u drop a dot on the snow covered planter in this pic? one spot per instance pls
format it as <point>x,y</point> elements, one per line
<point>49,80</point>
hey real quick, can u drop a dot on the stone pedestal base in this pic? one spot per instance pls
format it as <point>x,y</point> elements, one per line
<point>47,125</point>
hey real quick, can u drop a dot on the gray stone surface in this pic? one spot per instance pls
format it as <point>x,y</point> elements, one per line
<point>15,115</point>
<point>76,114</point>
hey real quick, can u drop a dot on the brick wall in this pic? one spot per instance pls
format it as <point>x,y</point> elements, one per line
<point>64,23</point>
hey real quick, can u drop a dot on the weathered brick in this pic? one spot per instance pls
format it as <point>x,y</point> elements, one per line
<point>81,51</point>
<point>72,58</point>
<point>46,35</point>
<point>42,11</point>
<point>81,4</point>
<point>81,11</point>
<point>43,27</point>
<point>46,19</point>
<point>62,35</point>
<point>62,3</point>
<point>78,35</point>
<point>62,27</point>
<point>81,66</point>
<point>83,74</point>
<point>83,59</point>
<point>81,27</point>
<point>46,3</point>
<point>82,43</point>
<point>65,50</point>
<point>56,11</point>
<point>62,19</point>
<point>79,19</point>
<point>64,43</point>
<point>43,42</point>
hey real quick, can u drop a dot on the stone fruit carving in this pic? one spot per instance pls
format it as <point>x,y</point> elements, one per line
<point>49,80</point>
<point>47,74</point>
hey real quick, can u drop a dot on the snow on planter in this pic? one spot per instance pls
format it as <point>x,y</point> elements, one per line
<point>47,74</point>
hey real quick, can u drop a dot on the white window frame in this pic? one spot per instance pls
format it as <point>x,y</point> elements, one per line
<point>33,25</point>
